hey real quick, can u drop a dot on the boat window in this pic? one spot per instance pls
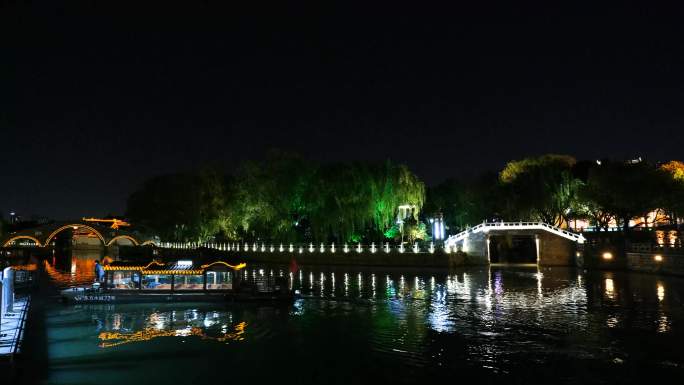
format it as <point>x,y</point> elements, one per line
<point>157,282</point>
<point>125,280</point>
<point>188,282</point>
<point>219,280</point>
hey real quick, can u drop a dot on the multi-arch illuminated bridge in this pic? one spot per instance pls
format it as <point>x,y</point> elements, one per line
<point>44,235</point>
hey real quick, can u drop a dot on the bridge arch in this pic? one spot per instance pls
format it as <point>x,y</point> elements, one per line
<point>123,236</point>
<point>34,239</point>
<point>74,226</point>
<point>553,245</point>
<point>149,242</point>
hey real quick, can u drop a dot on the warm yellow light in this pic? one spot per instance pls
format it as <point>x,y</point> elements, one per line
<point>658,258</point>
<point>661,292</point>
<point>115,223</point>
<point>74,227</point>
<point>607,256</point>
<point>116,338</point>
<point>610,287</point>
<point>9,241</point>
<point>237,267</point>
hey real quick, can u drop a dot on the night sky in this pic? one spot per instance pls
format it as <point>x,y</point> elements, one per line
<point>96,98</point>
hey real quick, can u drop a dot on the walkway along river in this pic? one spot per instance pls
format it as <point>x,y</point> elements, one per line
<point>519,324</point>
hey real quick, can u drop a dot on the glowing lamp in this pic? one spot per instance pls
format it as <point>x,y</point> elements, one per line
<point>658,258</point>
<point>607,256</point>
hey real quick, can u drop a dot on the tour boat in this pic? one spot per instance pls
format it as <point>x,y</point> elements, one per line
<point>179,281</point>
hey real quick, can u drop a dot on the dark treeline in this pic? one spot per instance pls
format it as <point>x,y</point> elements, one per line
<point>286,198</point>
<point>557,189</point>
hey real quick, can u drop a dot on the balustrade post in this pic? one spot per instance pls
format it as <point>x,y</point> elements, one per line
<point>7,290</point>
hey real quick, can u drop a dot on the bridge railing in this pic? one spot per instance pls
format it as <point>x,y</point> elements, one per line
<point>301,248</point>
<point>486,226</point>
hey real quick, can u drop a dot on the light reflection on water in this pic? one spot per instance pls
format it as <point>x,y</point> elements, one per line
<point>500,320</point>
<point>75,268</point>
<point>112,339</point>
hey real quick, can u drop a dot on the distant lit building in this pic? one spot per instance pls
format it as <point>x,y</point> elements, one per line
<point>655,218</point>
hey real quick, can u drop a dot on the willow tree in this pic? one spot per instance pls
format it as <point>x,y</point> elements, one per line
<point>213,194</point>
<point>337,201</point>
<point>268,201</point>
<point>541,188</point>
<point>395,186</point>
<point>347,201</point>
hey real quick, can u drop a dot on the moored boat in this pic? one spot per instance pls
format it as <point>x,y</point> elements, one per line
<point>179,281</point>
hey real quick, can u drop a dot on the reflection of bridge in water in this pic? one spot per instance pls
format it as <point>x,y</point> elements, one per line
<point>45,235</point>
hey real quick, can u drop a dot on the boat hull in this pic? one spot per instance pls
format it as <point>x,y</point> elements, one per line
<point>80,295</point>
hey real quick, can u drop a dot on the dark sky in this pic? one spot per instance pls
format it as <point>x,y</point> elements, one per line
<point>95,98</point>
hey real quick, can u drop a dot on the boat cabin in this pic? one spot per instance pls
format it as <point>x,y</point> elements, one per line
<point>178,276</point>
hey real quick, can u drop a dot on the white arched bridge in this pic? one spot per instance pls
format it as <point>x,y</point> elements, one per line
<point>553,245</point>
<point>44,235</point>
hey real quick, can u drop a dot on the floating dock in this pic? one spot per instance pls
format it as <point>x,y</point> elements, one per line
<point>12,328</point>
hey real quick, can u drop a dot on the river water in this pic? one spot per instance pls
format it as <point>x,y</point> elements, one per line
<point>519,324</point>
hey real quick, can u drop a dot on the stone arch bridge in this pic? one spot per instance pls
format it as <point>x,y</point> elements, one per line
<point>553,245</point>
<point>44,235</point>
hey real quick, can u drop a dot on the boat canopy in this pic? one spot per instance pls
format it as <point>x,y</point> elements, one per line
<point>180,267</point>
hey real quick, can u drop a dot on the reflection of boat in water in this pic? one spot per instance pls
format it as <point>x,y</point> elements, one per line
<point>111,339</point>
<point>179,281</point>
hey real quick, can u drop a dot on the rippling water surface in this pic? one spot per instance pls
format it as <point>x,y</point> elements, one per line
<point>516,324</point>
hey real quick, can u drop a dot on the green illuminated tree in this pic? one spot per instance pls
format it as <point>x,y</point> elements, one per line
<point>268,202</point>
<point>346,200</point>
<point>414,230</point>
